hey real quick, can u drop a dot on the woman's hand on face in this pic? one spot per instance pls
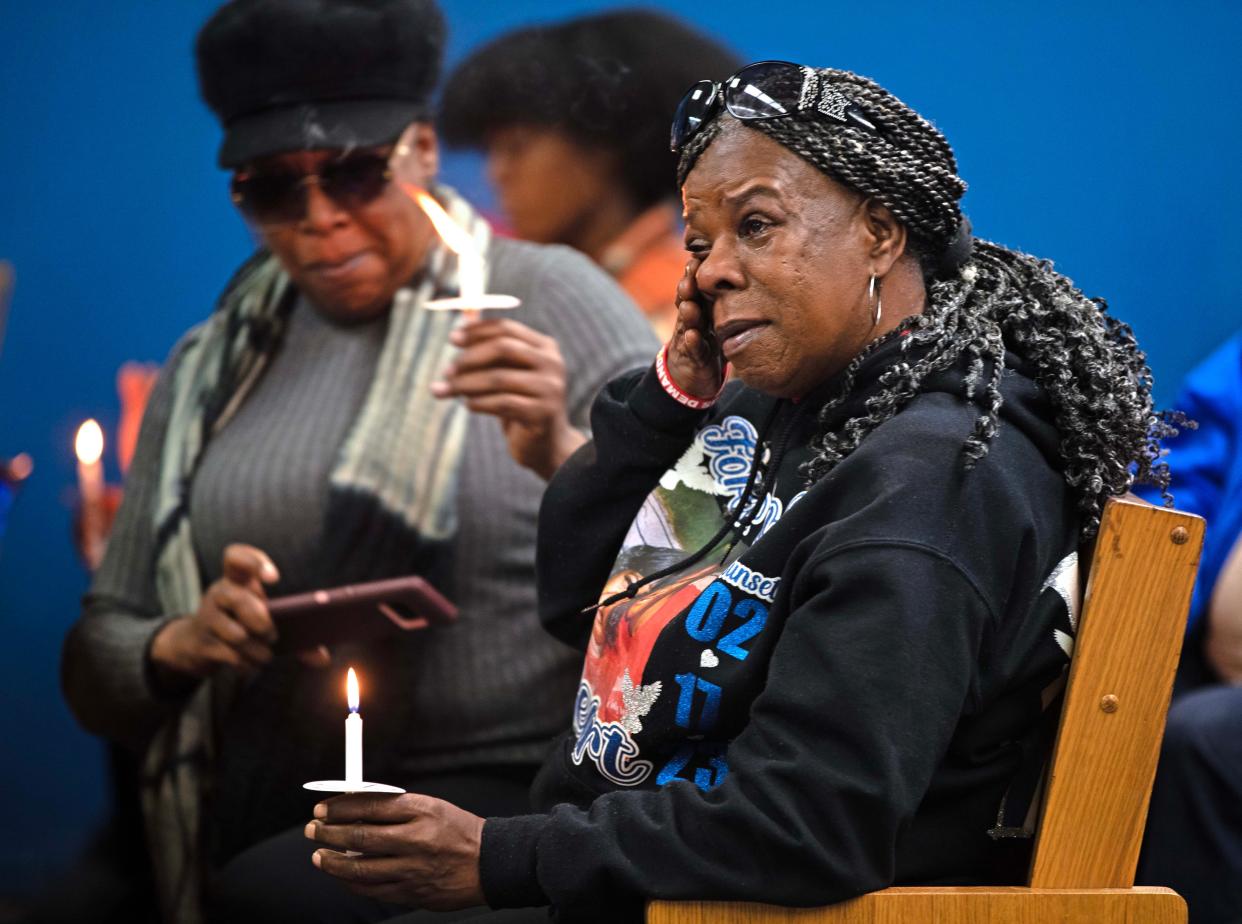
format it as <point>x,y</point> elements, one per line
<point>416,850</point>
<point>694,359</point>
<point>231,628</point>
<point>517,374</point>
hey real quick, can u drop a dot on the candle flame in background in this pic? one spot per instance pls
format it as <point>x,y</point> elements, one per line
<point>455,237</point>
<point>19,468</point>
<point>351,690</point>
<point>89,443</point>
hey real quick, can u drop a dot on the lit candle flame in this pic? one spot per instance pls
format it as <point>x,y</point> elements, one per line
<point>351,690</point>
<point>89,443</point>
<point>457,239</point>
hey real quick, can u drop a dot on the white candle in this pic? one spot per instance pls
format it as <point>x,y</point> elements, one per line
<point>89,446</point>
<point>470,275</point>
<point>353,733</point>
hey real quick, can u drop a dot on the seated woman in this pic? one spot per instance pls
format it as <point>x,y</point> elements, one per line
<point>573,118</point>
<point>841,683</point>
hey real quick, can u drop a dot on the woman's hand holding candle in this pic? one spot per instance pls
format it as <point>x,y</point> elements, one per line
<point>416,850</point>
<point>517,374</point>
<point>231,627</point>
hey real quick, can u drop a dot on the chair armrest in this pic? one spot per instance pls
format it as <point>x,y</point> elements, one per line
<point>920,905</point>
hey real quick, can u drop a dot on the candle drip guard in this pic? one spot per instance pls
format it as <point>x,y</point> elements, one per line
<point>485,302</point>
<point>344,786</point>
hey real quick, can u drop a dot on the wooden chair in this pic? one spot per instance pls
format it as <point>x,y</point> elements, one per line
<point>1087,844</point>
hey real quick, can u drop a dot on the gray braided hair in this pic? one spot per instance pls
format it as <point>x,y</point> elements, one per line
<point>983,299</point>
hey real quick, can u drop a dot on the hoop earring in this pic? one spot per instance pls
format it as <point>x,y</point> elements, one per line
<point>873,293</point>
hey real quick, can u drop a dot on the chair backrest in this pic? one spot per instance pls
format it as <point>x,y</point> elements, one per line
<point>1121,680</point>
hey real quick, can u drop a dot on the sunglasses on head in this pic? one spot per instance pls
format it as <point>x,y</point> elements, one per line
<point>273,196</point>
<point>764,90</point>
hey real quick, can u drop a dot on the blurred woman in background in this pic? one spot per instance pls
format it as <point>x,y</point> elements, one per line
<point>573,118</point>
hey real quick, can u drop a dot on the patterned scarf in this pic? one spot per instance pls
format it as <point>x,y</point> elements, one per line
<point>395,477</point>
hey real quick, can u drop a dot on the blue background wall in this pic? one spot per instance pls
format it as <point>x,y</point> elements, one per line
<point>1102,135</point>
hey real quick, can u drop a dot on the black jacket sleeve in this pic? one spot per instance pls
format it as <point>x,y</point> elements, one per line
<point>638,433</point>
<point>866,686</point>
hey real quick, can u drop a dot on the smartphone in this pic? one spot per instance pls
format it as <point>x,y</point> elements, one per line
<point>707,305</point>
<point>357,612</point>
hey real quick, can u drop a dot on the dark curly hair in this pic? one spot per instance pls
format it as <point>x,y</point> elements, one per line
<point>983,299</point>
<point>608,80</point>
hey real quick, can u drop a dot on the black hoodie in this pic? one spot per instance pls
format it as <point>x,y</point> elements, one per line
<point>848,692</point>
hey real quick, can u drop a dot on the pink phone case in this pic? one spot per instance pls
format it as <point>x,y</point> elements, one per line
<point>357,612</point>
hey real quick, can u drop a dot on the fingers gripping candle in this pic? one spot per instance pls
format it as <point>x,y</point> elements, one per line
<point>353,733</point>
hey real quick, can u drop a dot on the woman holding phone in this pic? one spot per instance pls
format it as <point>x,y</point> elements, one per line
<point>323,427</point>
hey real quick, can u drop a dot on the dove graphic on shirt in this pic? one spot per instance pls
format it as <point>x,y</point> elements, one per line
<point>637,702</point>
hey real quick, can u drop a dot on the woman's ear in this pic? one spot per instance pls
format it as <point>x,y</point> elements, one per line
<point>885,236</point>
<point>418,154</point>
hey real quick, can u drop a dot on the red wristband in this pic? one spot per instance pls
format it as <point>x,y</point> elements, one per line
<point>674,391</point>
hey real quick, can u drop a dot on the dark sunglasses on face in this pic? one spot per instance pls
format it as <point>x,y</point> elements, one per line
<point>274,196</point>
<point>764,90</point>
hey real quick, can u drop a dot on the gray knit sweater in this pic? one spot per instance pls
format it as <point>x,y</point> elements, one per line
<point>491,689</point>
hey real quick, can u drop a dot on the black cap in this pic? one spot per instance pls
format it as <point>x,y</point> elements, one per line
<point>290,75</point>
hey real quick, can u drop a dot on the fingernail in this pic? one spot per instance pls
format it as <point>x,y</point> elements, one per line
<point>456,337</point>
<point>440,389</point>
<point>315,858</point>
<point>321,811</point>
<point>309,830</point>
<point>269,573</point>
